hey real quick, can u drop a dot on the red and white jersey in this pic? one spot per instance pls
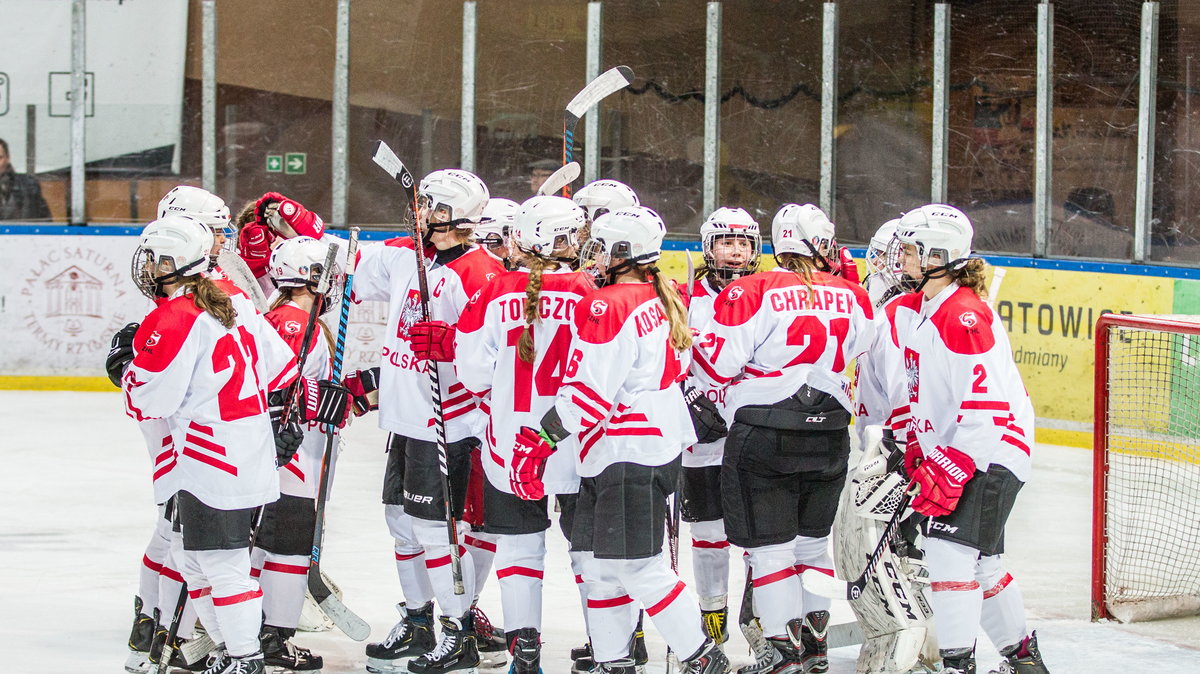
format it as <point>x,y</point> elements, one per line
<point>516,393</point>
<point>880,396</point>
<point>301,475</point>
<point>388,271</point>
<point>209,384</point>
<point>700,312</point>
<point>771,334</point>
<point>621,394</point>
<point>964,390</point>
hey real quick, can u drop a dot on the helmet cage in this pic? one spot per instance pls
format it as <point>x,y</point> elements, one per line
<point>151,273</point>
<point>726,273</point>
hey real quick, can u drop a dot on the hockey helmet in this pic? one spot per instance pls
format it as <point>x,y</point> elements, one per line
<point>170,248</point>
<point>298,262</point>
<point>727,223</point>
<point>603,196</point>
<point>942,235</point>
<point>546,226</point>
<point>621,239</point>
<point>803,230</point>
<point>452,198</point>
<point>497,221</point>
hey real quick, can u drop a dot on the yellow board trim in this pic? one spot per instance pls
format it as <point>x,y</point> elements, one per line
<point>1055,436</point>
<point>17,383</point>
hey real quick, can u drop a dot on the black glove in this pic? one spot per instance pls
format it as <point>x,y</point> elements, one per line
<point>120,353</point>
<point>707,421</point>
<point>363,386</point>
<point>288,436</point>
<point>323,401</point>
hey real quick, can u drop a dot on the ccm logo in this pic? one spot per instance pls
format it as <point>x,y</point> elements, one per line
<point>940,526</point>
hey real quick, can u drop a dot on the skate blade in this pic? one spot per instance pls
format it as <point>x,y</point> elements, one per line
<point>278,669</point>
<point>379,666</point>
<point>492,660</point>
<point>138,662</point>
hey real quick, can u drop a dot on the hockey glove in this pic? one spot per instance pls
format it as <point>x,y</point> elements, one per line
<point>120,353</point>
<point>707,421</point>
<point>254,247</point>
<point>433,340</point>
<point>941,476</point>
<point>912,454</point>
<point>844,265</point>
<point>288,437</point>
<point>363,386</point>
<point>303,221</point>
<point>323,401</point>
<point>528,466</point>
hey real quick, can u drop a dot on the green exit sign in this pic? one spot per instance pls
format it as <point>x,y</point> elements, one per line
<point>295,163</point>
<point>274,163</point>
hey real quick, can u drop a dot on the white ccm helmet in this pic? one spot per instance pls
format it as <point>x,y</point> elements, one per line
<point>170,248</point>
<point>604,196</point>
<point>497,221</point>
<point>803,230</point>
<point>196,202</point>
<point>725,223</point>
<point>621,239</point>
<point>546,226</point>
<point>458,195</point>
<point>942,235</point>
<point>885,278</point>
<point>298,262</point>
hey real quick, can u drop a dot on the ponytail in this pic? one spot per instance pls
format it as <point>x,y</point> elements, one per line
<point>972,275</point>
<point>801,266</point>
<point>533,290</point>
<point>681,333</point>
<point>211,299</point>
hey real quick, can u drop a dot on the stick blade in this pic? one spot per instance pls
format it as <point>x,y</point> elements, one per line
<point>826,585</point>
<point>608,82</point>
<point>560,179</point>
<point>388,161</point>
<point>346,620</point>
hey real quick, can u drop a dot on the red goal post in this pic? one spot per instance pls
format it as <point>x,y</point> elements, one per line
<point>1146,470</point>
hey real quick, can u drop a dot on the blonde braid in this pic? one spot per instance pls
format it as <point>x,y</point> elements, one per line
<point>533,314</point>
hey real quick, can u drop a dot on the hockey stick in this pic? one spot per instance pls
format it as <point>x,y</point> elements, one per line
<point>310,327</point>
<point>994,287</point>
<point>608,82</point>
<point>234,267</point>
<point>346,620</point>
<point>564,176</point>
<point>828,586</point>
<point>388,160</point>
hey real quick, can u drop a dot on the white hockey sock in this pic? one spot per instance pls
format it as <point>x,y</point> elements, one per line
<point>776,586</point>
<point>410,558</point>
<point>520,565</point>
<point>1003,615</point>
<point>813,553</point>
<point>483,551</point>
<point>578,559</point>
<point>668,601</point>
<point>199,592</point>
<point>710,559</point>
<point>432,535</point>
<point>284,581</point>
<point>157,552</point>
<point>956,597</point>
<point>170,582</point>
<point>236,597</point>
<point>611,613</point>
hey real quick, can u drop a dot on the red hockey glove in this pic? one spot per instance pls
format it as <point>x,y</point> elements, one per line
<point>323,401</point>
<point>433,340</point>
<point>912,454</point>
<point>941,477</point>
<point>254,246</point>
<point>849,270</point>
<point>363,386</point>
<point>264,202</point>
<point>304,221</point>
<point>529,464</point>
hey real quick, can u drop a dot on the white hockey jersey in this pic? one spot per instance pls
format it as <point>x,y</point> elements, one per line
<point>621,394</point>
<point>516,393</point>
<point>964,390</point>
<point>209,384</point>
<point>880,394</point>
<point>700,312</point>
<point>770,335</point>
<point>302,475</point>
<point>388,271</point>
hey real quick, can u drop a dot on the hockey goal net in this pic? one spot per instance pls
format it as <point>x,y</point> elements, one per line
<point>1146,492</point>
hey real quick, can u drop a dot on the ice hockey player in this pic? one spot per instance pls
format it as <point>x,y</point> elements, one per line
<point>513,340</point>
<point>159,580</point>
<point>451,203</point>
<point>494,229</point>
<point>832,258</point>
<point>603,196</point>
<point>622,402</point>
<point>731,246</point>
<point>272,217</point>
<point>968,441</point>
<point>780,340</point>
<point>217,462</point>
<point>285,535</point>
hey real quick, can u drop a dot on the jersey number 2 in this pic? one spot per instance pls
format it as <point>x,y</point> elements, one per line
<point>235,354</point>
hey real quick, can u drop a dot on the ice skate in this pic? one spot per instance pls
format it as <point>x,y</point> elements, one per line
<point>177,661</point>
<point>958,661</point>
<point>410,638</point>
<point>489,639</point>
<point>1023,658</point>
<point>456,652</point>
<point>622,666</point>
<point>710,659</point>
<point>813,633</point>
<point>280,654</point>
<point>582,661</point>
<point>245,664</point>
<point>140,639</point>
<point>780,657</point>
<point>716,624</point>
<point>525,645</point>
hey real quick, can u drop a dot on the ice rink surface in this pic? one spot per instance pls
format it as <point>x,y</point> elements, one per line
<point>77,512</point>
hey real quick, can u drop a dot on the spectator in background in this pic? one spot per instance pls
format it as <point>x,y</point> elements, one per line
<point>20,195</point>
<point>538,172</point>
